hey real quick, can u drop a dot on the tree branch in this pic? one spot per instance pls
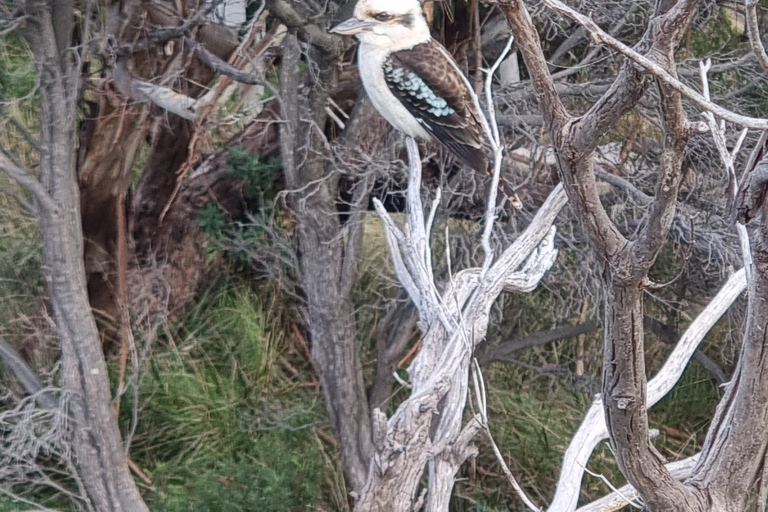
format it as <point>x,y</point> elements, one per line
<point>624,184</point>
<point>669,336</point>
<point>750,12</point>
<point>618,499</point>
<point>26,376</point>
<point>35,188</point>
<point>555,113</point>
<point>593,429</point>
<point>491,354</point>
<point>255,77</point>
<point>658,71</point>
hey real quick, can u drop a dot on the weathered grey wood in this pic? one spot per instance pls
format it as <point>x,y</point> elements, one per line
<point>329,308</point>
<point>454,322</point>
<point>626,263</point>
<point>95,437</point>
<point>731,465</point>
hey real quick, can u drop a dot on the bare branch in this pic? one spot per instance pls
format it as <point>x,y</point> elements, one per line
<point>529,42</point>
<point>26,376</point>
<point>23,131</point>
<point>482,402</point>
<point>750,7</point>
<point>624,184</point>
<point>728,157</point>
<point>593,429</point>
<point>618,499</point>
<point>492,354</point>
<point>658,71</point>
<point>255,77</point>
<point>35,188</point>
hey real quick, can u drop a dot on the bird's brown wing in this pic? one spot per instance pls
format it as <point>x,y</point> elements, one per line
<point>429,85</point>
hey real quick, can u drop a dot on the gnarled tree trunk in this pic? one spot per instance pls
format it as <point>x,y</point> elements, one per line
<point>95,436</point>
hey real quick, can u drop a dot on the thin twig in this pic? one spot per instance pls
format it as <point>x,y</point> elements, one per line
<point>658,71</point>
<point>728,158</point>
<point>480,392</point>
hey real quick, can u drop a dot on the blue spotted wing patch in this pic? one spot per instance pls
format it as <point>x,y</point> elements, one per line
<point>417,92</point>
<point>431,89</point>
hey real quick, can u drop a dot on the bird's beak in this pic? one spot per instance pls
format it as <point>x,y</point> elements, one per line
<point>352,26</point>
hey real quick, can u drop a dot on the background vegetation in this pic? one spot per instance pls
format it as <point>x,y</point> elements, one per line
<point>230,413</point>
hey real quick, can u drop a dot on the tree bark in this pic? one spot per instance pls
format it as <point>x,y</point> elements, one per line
<point>626,262</point>
<point>732,463</point>
<point>324,257</point>
<point>625,402</point>
<point>96,442</point>
<point>111,137</point>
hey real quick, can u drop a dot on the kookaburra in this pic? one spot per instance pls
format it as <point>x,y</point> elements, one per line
<point>412,80</point>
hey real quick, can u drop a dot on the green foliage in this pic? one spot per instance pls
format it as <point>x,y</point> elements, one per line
<point>19,98</point>
<point>257,176</point>
<point>21,284</point>
<point>212,220</point>
<point>258,181</point>
<point>17,68</point>
<point>213,435</point>
<point>279,472</point>
<point>8,505</point>
<point>716,35</point>
<point>21,280</point>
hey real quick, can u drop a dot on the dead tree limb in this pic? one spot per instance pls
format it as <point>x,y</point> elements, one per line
<point>453,322</point>
<point>750,9</point>
<point>495,353</point>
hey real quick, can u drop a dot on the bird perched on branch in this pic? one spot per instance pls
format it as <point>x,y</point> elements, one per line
<point>412,80</point>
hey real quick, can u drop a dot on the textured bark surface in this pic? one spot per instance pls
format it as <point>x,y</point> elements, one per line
<point>626,263</point>
<point>732,467</point>
<point>328,262</point>
<point>625,402</point>
<point>116,129</point>
<point>96,443</point>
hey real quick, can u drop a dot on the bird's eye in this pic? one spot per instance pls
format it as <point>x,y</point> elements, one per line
<point>384,16</point>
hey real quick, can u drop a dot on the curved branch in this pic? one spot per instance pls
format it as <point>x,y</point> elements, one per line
<point>29,182</point>
<point>750,8</point>
<point>593,430</point>
<point>618,499</point>
<point>655,69</point>
<point>26,376</point>
<point>492,354</point>
<point>529,42</point>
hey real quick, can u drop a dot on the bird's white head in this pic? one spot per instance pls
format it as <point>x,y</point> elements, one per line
<point>390,24</point>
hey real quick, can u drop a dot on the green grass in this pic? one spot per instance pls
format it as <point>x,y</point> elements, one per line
<point>278,472</point>
<point>21,280</point>
<point>218,431</point>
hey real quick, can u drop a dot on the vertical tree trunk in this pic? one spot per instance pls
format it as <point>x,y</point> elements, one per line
<point>330,318</point>
<point>732,465</point>
<point>624,400</point>
<point>95,440</point>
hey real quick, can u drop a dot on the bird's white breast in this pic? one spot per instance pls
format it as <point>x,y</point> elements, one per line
<point>370,61</point>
